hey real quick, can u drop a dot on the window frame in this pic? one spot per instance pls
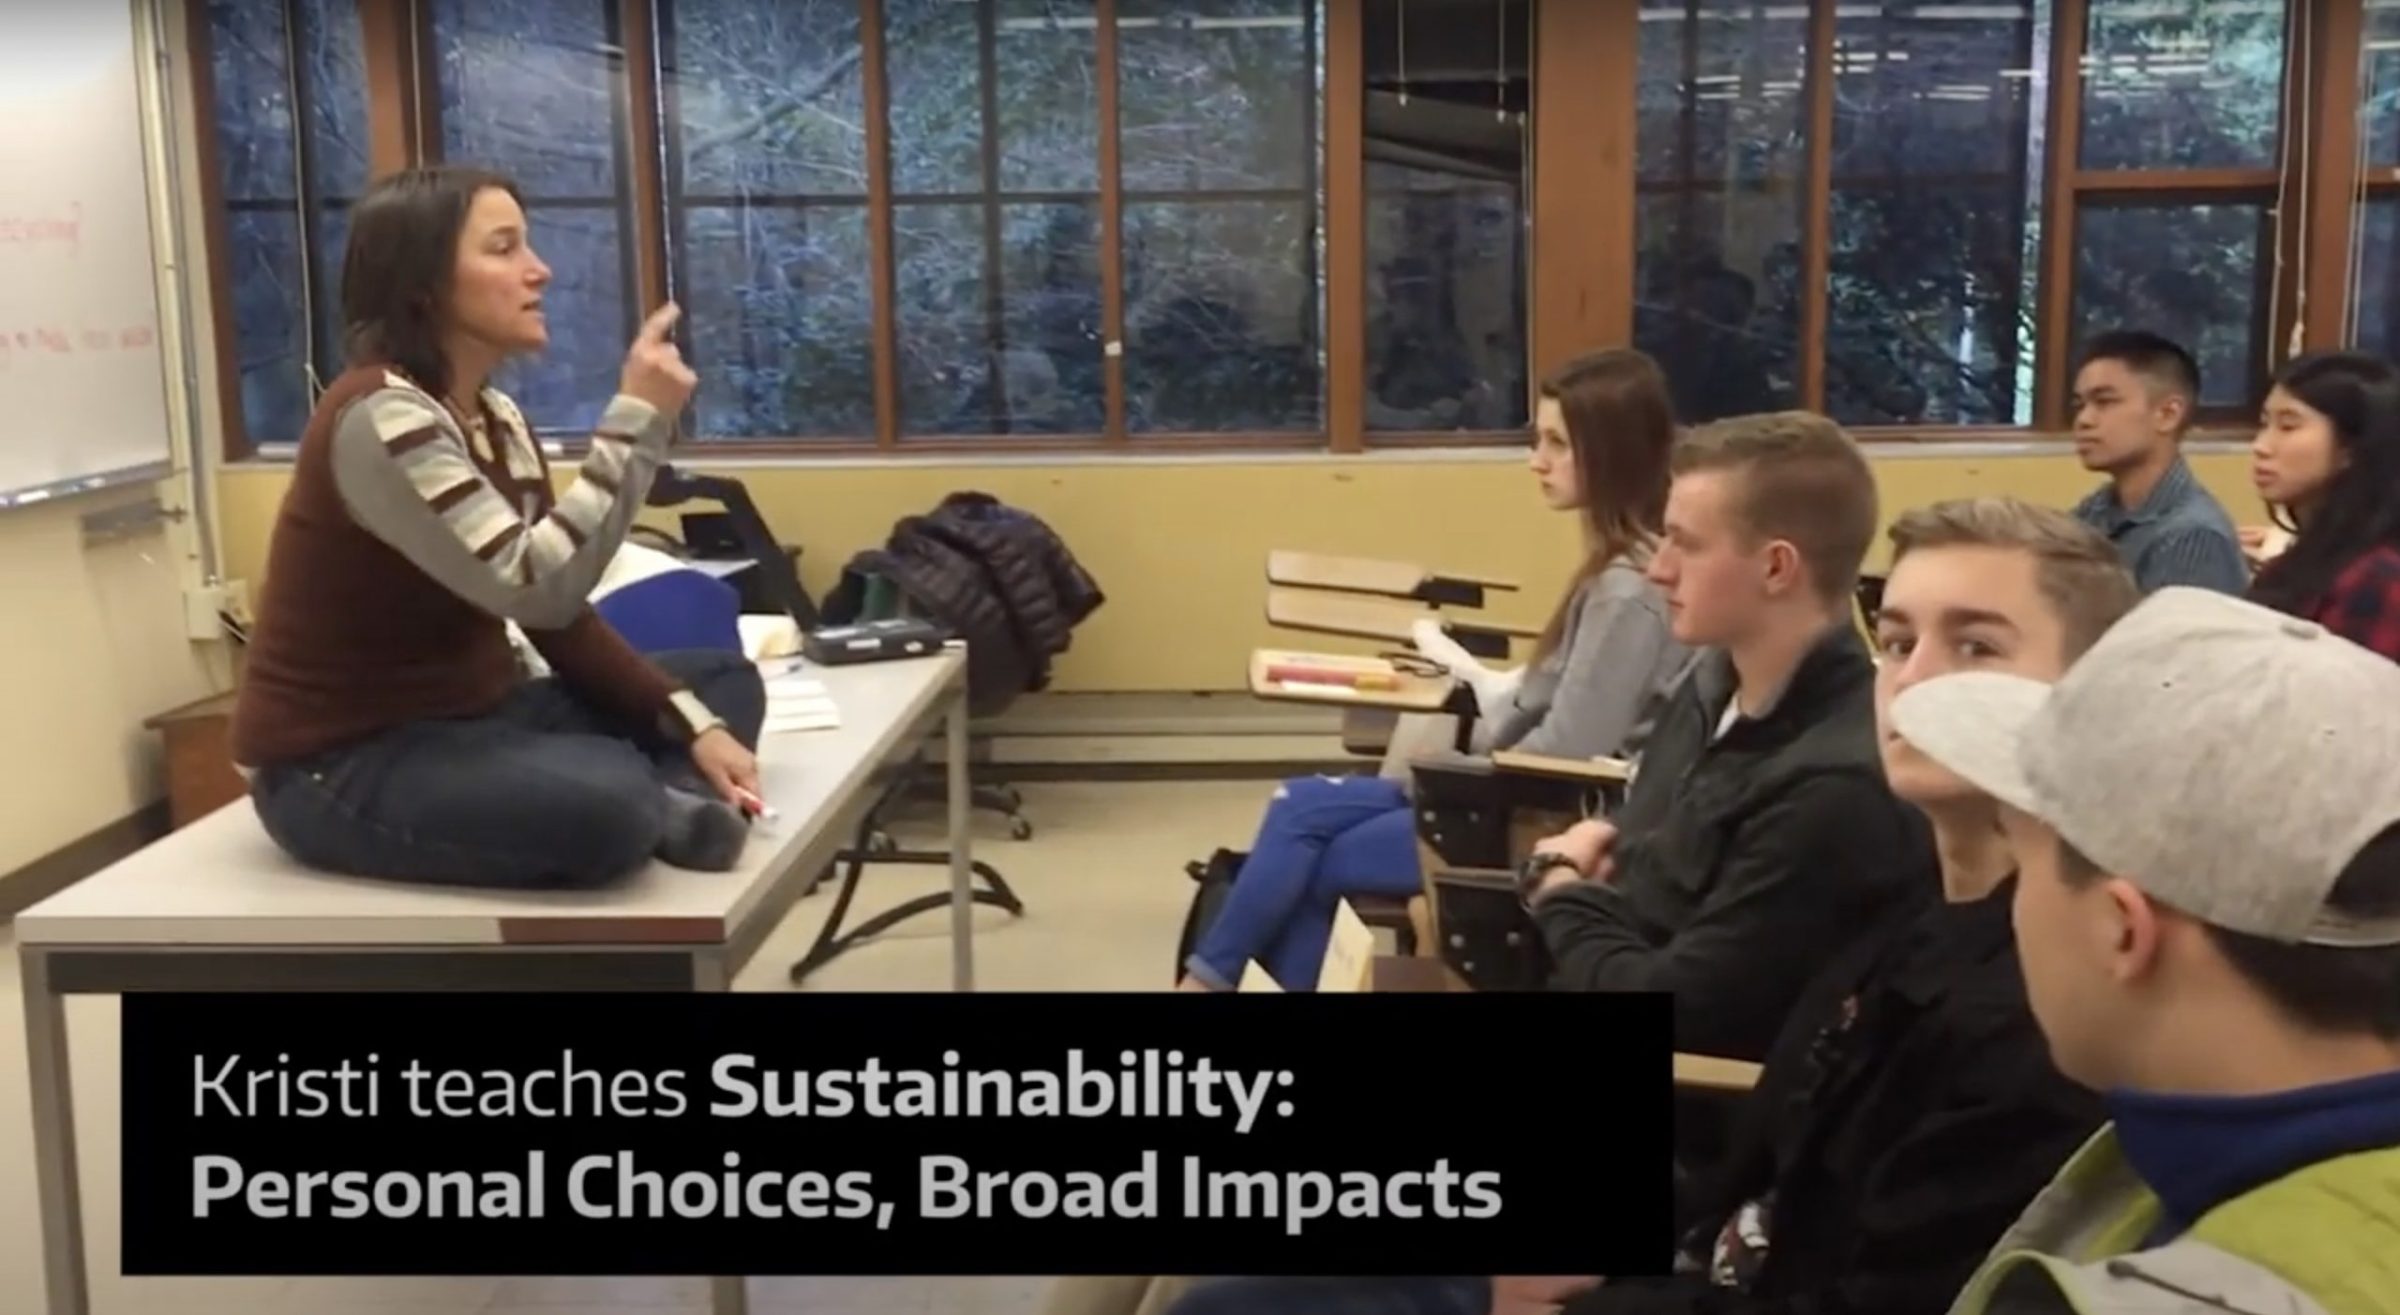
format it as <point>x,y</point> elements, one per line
<point>1581,205</point>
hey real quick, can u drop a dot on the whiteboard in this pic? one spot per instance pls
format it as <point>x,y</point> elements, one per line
<point>83,378</point>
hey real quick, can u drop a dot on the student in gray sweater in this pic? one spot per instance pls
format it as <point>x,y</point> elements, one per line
<point>1603,433</point>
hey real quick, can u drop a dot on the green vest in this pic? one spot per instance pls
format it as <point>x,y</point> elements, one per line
<point>2324,1240</point>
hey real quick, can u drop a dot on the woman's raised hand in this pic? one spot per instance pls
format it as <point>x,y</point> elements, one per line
<point>654,368</point>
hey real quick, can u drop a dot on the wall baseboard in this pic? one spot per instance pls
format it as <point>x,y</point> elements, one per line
<point>61,868</point>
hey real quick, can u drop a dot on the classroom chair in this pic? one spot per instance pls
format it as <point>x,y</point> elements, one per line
<point>1371,598</point>
<point>1313,570</point>
<point>1477,819</point>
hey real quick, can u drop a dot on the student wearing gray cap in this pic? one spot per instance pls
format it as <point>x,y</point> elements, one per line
<point>2205,814</point>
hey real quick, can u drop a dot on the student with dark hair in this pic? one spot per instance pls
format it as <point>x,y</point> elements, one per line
<point>1602,434</point>
<point>2135,394</point>
<point>383,719</point>
<point>2327,462</point>
<point>2205,814</point>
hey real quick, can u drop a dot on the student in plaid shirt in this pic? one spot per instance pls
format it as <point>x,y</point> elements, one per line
<point>2327,461</point>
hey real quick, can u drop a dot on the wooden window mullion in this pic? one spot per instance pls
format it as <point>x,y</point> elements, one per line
<point>2327,180</point>
<point>645,117</point>
<point>1816,205</point>
<point>882,281</point>
<point>2055,299</point>
<point>395,117</point>
<point>1345,225</point>
<point>1112,227</point>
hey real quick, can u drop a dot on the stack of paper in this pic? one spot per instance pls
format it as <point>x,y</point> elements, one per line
<point>798,702</point>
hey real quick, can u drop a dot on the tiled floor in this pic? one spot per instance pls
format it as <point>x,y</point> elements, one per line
<point>1105,895</point>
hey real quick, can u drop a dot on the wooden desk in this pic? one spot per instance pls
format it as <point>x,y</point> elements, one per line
<point>1415,693</point>
<point>217,907</point>
<point>201,778</point>
<point>1414,974</point>
<point>1368,575</point>
<point>1421,975</point>
<point>1709,1073</point>
<point>1392,620</point>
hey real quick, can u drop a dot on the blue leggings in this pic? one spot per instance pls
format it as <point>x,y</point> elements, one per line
<point>1323,838</point>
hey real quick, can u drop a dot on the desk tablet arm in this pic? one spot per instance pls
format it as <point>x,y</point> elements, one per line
<point>780,580</point>
<point>1488,642</point>
<point>1710,1073</point>
<point>1597,773</point>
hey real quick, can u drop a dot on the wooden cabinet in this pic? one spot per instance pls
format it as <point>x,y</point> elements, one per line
<point>200,775</point>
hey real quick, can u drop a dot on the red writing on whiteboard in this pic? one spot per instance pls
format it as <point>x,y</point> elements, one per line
<point>36,342</point>
<point>64,229</point>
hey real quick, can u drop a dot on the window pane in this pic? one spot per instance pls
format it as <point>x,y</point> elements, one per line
<point>1041,59</point>
<point>333,52</point>
<point>263,268</point>
<point>767,98</point>
<point>1446,259</point>
<point>2191,272</point>
<point>333,243</point>
<point>768,115</point>
<point>2381,86</point>
<point>2192,85</point>
<point>532,87</point>
<point>251,67</point>
<point>286,297</point>
<point>565,388</point>
<point>1723,151</point>
<point>2378,276</point>
<point>1933,233</point>
<point>1221,317</point>
<point>999,338</point>
<point>781,323</point>
<point>1216,94</point>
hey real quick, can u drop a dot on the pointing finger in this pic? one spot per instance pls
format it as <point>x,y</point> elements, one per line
<point>662,320</point>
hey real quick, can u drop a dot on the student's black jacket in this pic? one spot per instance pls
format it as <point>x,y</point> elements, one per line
<point>1906,1116</point>
<point>1744,865</point>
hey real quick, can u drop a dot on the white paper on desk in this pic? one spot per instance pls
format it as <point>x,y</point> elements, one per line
<point>800,705</point>
<point>1349,953</point>
<point>801,714</point>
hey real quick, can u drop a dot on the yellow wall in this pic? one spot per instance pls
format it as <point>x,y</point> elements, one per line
<point>95,644</point>
<point>1180,546</point>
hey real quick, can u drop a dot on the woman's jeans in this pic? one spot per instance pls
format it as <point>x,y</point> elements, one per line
<point>1323,838</point>
<point>546,791</point>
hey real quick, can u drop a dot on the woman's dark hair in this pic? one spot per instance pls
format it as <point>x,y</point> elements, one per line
<point>397,269</point>
<point>1621,422</point>
<point>2360,507</point>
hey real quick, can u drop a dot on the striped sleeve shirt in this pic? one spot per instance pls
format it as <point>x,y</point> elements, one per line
<point>407,474</point>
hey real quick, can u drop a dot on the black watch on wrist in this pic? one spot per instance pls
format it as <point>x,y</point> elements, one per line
<point>1536,867</point>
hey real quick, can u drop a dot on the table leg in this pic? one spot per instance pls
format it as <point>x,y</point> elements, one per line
<point>54,1136</point>
<point>727,1294</point>
<point>962,876</point>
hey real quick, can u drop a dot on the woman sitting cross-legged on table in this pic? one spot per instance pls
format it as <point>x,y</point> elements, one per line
<point>1603,433</point>
<point>383,718</point>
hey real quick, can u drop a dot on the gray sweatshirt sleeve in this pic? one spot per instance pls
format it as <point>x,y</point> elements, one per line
<point>1617,641</point>
<point>407,479</point>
